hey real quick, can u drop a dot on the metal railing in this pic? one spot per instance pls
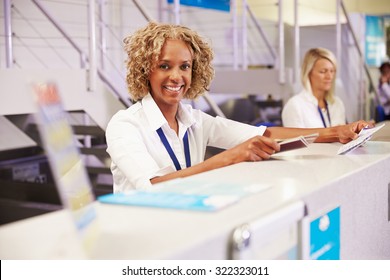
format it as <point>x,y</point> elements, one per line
<point>84,57</point>
<point>102,28</point>
<point>357,45</point>
<point>261,31</point>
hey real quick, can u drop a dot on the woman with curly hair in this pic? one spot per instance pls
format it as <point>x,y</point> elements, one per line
<point>159,138</point>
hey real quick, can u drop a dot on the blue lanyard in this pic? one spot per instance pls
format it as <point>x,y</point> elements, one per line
<point>170,151</point>
<point>322,117</point>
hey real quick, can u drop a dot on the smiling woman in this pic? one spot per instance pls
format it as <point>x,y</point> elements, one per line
<point>159,138</point>
<point>144,49</point>
<point>170,78</point>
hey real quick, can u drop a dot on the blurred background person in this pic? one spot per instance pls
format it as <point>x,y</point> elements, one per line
<point>316,105</point>
<point>384,89</point>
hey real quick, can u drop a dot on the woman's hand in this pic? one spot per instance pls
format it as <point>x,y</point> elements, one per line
<point>349,132</point>
<point>254,149</point>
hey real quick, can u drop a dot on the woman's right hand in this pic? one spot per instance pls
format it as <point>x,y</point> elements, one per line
<point>254,149</point>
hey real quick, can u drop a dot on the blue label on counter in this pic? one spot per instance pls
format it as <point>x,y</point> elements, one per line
<point>325,236</point>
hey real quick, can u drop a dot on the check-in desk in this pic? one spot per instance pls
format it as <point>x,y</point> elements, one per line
<point>300,186</point>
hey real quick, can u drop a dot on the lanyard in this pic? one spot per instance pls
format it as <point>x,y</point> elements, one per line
<point>170,151</point>
<point>327,112</point>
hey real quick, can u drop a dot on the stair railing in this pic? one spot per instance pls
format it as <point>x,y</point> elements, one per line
<point>261,32</point>
<point>84,59</point>
<point>8,33</point>
<point>361,55</point>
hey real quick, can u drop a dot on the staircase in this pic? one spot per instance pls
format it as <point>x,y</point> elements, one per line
<point>90,141</point>
<point>93,149</point>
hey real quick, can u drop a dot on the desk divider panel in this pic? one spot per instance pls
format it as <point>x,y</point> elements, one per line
<point>274,236</point>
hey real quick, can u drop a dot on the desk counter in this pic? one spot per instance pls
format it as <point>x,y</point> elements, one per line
<point>357,182</point>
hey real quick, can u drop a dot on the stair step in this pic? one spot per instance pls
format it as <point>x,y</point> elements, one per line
<point>77,111</point>
<point>99,152</point>
<point>88,130</point>
<point>98,170</point>
<point>102,189</point>
<point>77,130</point>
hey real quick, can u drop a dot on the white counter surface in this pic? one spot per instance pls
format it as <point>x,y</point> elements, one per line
<point>152,233</point>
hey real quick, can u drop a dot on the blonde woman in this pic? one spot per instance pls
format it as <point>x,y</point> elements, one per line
<point>159,138</point>
<point>316,105</point>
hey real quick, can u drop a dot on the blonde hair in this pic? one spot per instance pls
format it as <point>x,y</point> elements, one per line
<point>311,57</point>
<point>144,48</point>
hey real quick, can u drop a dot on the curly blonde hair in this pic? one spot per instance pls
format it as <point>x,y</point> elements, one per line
<point>144,48</point>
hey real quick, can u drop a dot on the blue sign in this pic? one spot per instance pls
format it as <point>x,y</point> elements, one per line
<point>375,47</point>
<point>325,236</point>
<point>222,5</point>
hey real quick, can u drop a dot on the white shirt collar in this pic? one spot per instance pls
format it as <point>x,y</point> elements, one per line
<point>310,97</point>
<point>156,119</point>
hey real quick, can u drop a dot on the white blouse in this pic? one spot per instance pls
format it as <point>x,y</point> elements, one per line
<point>301,111</point>
<point>138,154</point>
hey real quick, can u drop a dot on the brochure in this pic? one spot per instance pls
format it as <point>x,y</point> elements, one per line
<point>66,164</point>
<point>182,201</point>
<point>187,194</point>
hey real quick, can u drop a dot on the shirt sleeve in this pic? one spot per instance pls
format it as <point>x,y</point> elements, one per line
<point>225,133</point>
<point>291,114</point>
<point>129,155</point>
